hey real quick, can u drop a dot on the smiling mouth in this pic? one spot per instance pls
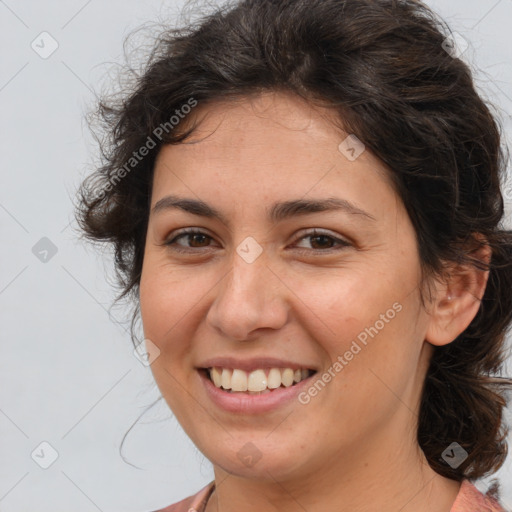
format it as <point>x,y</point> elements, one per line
<point>256,382</point>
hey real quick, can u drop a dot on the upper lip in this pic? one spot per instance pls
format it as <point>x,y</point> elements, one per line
<point>252,364</point>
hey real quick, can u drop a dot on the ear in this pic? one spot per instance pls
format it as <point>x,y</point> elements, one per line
<point>457,298</point>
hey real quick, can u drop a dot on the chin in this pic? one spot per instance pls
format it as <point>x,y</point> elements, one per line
<point>265,462</point>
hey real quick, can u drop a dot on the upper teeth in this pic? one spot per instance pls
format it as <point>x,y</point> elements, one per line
<point>257,380</point>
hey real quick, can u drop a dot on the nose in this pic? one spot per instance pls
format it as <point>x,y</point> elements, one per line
<point>250,297</point>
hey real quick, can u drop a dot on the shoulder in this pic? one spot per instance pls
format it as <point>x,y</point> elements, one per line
<point>193,503</point>
<point>470,499</point>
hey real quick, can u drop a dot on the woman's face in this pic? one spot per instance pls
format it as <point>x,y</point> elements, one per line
<point>259,292</point>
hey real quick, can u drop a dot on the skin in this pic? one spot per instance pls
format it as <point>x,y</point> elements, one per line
<point>353,446</point>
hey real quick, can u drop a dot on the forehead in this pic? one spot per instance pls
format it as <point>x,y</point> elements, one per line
<point>273,120</point>
<point>263,147</point>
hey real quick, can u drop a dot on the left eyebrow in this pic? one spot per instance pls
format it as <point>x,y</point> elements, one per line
<point>284,210</point>
<point>278,211</point>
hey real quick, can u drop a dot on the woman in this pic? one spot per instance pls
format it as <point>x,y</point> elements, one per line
<point>304,200</point>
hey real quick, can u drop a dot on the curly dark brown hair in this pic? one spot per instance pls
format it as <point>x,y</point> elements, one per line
<point>386,69</point>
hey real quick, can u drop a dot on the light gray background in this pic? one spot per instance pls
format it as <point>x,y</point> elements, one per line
<point>69,376</point>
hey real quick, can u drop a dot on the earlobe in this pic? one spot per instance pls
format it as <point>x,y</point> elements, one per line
<point>457,299</point>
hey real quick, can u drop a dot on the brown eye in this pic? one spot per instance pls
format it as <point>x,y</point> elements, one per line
<point>324,242</point>
<point>193,240</point>
<point>198,238</point>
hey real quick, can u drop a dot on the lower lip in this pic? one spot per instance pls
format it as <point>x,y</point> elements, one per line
<point>244,403</point>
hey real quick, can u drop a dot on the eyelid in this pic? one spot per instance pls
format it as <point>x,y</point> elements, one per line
<point>184,232</point>
<point>302,234</point>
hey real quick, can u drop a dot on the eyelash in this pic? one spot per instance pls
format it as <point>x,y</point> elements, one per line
<point>310,234</point>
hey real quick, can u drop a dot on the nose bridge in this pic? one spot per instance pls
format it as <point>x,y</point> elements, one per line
<point>247,298</point>
<point>248,280</point>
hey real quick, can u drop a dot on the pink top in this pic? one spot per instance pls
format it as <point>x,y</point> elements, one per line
<point>469,499</point>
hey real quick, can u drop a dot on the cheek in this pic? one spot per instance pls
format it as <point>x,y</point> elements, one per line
<point>379,364</point>
<point>165,298</point>
<point>345,305</point>
<point>163,303</point>
<point>173,305</point>
<point>372,329</point>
